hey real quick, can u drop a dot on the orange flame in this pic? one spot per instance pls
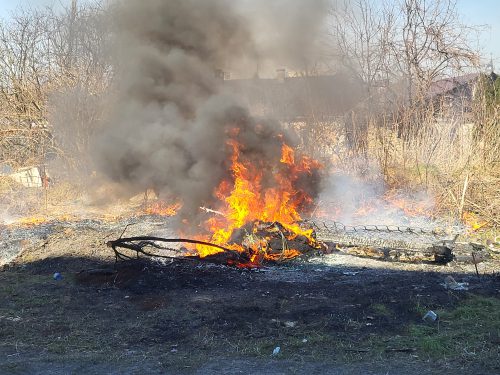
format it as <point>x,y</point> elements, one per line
<point>33,220</point>
<point>38,220</point>
<point>472,221</point>
<point>365,209</point>
<point>162,208</point>
<point>287,155</point>
<point>410,207</point>
<point>247,198</point>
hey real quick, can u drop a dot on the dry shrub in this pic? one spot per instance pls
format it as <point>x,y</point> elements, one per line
<point>453,156</point>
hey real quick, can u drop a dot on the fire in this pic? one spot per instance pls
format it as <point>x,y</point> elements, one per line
<point>34,220</point>
<point>472,221</point>
<point>163,208</point>
<point>365,209</point>
<point>410,207</point>
<point>287,155</point>
<point>38,220</point>
<point>262,191</point>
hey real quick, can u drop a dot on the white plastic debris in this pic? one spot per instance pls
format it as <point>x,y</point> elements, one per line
<point>276,351</point>
<point>451,283</point>
<point>430,316</point>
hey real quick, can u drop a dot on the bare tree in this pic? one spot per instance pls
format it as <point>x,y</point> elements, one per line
<point>47,54</point>
<point>22,78</point>
<point>360,31</point>
<point>433,43</point>
<point>415,40</point>
<point>398,49</point>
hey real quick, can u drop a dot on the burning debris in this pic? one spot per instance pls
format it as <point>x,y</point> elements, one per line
<point>258,243</point>
<point>273,241</point>
<point>249,246</point>
<point>262,197</point>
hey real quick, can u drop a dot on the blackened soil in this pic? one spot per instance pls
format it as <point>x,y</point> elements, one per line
<point>333,315</point>
<point>179,317</point>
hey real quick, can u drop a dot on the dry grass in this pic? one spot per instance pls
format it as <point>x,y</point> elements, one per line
<point>454,160</point>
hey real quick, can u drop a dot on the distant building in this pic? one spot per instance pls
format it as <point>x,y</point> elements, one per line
<point>452,97</point>
<point>293,98</point>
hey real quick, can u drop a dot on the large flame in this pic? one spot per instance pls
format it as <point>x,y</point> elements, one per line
<point>246,198</point>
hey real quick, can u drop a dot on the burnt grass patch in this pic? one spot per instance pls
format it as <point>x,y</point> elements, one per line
<point>184,313</point>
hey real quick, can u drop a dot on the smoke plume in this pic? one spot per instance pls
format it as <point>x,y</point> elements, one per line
<point>287,32</point>
<point>169,118</point>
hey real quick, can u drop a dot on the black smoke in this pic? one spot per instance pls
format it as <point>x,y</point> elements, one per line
<point>169,116</point>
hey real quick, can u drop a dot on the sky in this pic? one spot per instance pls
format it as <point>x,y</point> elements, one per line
<point>474,12</point>
<point>7,6</point>
<point>487,13</point>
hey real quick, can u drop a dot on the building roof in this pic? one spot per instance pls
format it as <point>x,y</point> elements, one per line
<point>289,98</point>
<point>447,85</point>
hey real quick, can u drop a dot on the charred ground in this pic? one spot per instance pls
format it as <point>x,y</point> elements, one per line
<point>332,314</point>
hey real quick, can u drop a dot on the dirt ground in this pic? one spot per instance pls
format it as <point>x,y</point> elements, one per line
<point>331,314</point>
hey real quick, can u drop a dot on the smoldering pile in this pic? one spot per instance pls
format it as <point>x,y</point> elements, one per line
<point>255,244</point>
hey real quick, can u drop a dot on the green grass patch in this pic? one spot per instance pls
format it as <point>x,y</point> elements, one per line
<point>469,331</point>
<point>380,309</point>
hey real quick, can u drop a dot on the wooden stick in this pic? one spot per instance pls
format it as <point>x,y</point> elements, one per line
<point>209,210</point>
<point>475,263</point>
<point>462,199</point>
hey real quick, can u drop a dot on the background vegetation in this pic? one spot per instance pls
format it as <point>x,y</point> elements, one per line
<point>56,71</point>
